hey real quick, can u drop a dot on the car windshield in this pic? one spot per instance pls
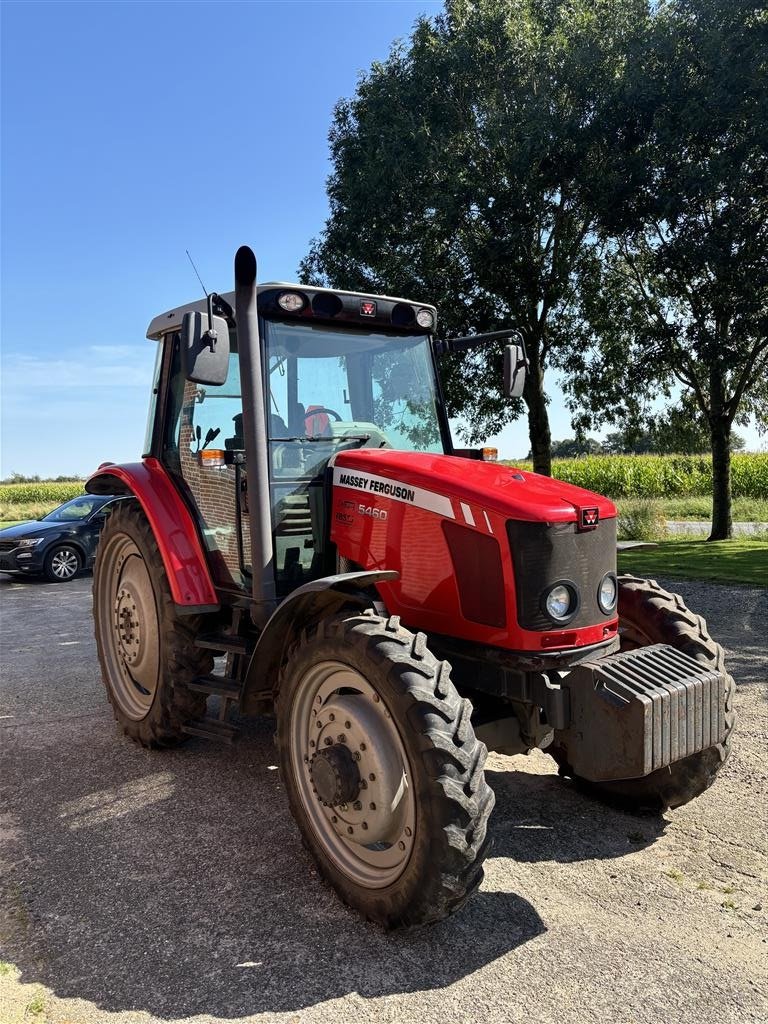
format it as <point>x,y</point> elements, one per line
<point>73,511</point>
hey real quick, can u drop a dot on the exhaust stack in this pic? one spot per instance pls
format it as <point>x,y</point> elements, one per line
<point>255,431</point>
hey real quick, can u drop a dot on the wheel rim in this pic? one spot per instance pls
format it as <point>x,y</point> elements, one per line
<point>369,837</point>
<point>128,627</point>
<point>64,564</point>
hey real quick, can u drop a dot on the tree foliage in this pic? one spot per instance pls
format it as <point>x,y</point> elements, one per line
<point>683,304</point>
<point>468,169</point>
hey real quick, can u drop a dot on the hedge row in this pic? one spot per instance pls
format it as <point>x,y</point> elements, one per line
<point>661,476</point>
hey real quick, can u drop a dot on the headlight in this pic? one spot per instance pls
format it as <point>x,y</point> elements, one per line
<point>30,542</point>
<point>424,318</point>
<point>607,593</point>
<point>561,602</point>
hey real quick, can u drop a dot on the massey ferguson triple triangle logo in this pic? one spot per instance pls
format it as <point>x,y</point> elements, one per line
<point>589,518</point>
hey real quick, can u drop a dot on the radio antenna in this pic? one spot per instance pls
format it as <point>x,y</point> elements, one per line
<point>196,272</point>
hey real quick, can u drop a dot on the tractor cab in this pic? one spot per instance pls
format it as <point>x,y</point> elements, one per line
<point>340,371</point>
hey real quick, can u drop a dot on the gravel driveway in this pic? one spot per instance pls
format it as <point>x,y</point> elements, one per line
<point>148,887</point>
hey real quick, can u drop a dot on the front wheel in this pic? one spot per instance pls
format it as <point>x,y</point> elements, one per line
<point>648,614</point>
<point>383,771</point>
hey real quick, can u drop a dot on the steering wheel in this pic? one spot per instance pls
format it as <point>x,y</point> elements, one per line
<point>318,409</point>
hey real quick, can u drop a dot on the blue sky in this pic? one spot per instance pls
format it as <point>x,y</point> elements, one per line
<point>131,132</point>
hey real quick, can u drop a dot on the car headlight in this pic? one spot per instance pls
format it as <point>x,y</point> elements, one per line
<point>30,542</point>
<point>561,602</point>
<point>607,593</point>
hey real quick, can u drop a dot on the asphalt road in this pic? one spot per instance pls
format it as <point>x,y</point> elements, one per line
<point>144,887</point>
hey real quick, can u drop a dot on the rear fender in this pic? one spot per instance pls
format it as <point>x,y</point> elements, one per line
<point>306,605</point>
<point>172,524</point>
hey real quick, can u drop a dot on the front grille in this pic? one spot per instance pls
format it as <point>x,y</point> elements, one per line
<point>8,545</point>
<point>545,553</point>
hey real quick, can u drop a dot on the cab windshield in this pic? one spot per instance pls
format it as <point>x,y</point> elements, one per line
<point>329,389</point>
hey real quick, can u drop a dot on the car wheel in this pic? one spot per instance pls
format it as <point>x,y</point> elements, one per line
<point>62,563</point>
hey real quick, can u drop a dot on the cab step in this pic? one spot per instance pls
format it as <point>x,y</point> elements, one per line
<point>216,686</point>
<point>224,642</point>
<point>211,729</point>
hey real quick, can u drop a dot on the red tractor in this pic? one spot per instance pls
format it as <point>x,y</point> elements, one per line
<point>398,604</point>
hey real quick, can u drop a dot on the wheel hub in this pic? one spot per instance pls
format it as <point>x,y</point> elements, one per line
<point>355,770</point>
<point>335,775</point>
<point>127,626</point>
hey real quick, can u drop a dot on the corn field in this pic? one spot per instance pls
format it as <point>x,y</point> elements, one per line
<point>660,476</point>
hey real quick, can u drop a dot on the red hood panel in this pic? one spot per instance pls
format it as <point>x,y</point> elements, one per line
<point>513,493</point>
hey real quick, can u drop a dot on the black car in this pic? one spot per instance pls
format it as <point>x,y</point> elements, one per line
<point>60,544</point>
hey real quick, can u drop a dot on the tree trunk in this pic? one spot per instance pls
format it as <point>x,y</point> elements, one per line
<point>720,432</point>
<point>538,417</point>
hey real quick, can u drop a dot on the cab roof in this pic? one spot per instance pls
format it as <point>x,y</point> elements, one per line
<point>171,321</point>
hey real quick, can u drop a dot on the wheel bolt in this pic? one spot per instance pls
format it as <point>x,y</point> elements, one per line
<point>372,806</point>
<point>408,831</point>
<point>357,805</point>
<point>311,743</point>
<point>362,746</point>
<point>306,759</point>
<point>342,738</point>
<point>347,725</point>
<point>332,717</point>
<point>376,698</point>
<point>319,724</point>
<point>372,777</point>
<point>365,825</point>
<point>328,741</point>
<point>350,830</point>
<point>319,699</point>
<point>363,784</point>
<point>334,819</point>
<point>401,845</point>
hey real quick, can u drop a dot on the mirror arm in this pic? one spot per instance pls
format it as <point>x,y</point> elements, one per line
<point>473,340</point>
<point>211,334</point>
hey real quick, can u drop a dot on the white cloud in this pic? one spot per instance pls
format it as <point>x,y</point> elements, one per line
<point>102,366</point>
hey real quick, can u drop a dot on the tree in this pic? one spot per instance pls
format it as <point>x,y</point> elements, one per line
<point>467,169</point>
<point>684,303</point>
<point>681,430</point>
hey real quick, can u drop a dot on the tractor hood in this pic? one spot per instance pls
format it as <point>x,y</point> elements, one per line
<point>513,493</point>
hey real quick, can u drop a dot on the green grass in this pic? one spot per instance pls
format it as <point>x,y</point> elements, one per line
<point>745,510</point>
<point>740,560</point>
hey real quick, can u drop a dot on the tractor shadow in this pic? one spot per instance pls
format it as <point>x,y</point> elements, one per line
<point>175,883</point>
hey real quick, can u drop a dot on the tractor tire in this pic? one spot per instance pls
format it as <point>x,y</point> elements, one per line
<point>146,651</point>
<point>648,614</point>
<point>382,768</point>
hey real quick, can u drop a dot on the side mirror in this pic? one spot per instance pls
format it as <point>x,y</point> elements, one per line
<point>515,364</point>
<point>205,348</point>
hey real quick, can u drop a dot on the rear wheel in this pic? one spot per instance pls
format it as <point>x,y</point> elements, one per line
<point>648,614</point>
<point>146,651</point>
<point>62,563</point>
<point>382,768</point>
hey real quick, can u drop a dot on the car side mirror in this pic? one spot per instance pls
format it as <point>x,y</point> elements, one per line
<point>205,348</point>
<point>515,364</point>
